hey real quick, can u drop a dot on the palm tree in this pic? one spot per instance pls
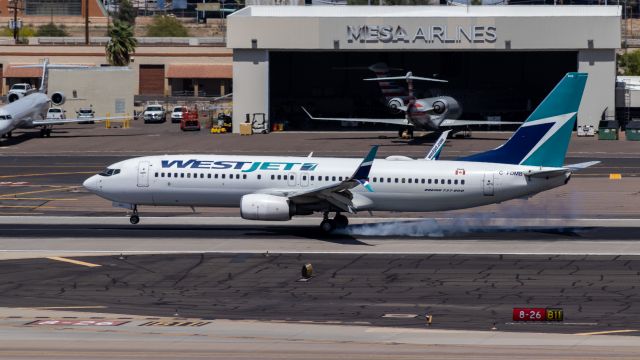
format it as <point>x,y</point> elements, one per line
<point>121,45</point>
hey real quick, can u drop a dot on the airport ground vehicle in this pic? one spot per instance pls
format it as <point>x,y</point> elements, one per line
<point>190,121</point>
<point>56,113</point>
<point>276,188</point>
<point>86,113</point>
<point>154,113</point>
<point>176,114</point>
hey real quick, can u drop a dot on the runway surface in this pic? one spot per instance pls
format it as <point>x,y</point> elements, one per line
<point>463,292</point>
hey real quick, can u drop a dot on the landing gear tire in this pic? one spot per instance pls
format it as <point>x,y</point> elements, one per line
<point>9,135</point>
<point>327,226</point>
<point>341,221</point>
<point>47,133</point>
<point>134,219</point>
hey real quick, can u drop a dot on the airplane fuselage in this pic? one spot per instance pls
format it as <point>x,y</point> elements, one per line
<point>398,185</point>
<point>23,112</point>
<point>427,114</point>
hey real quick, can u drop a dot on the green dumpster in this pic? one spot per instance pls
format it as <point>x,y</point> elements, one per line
<point>633,130</point>
<point>608,130</point>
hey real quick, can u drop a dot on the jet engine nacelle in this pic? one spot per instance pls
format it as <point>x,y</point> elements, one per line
<point>266,207</point>
<point>395,104</point>
<point>446,105</point>
<point>58,98</point>
<point>14,96</point>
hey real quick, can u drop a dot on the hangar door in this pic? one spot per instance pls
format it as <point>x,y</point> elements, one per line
<point>151,80</point>
<point>505,85</point>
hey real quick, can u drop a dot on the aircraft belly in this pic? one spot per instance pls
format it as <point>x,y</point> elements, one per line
<point>193,196</point>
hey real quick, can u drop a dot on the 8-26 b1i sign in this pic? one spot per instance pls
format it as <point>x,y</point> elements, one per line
<point>538,314</point>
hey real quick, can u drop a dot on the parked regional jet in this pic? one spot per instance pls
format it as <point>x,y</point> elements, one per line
<point>276,188</point>
<point>29,110</point>
<point>430,114</point>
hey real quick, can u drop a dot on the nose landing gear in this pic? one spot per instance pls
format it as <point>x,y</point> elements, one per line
<point>134,219</point>
<point>338,222</point>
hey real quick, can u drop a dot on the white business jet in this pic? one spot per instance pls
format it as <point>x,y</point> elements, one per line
<point>29,110</point>
<point>274,188</point>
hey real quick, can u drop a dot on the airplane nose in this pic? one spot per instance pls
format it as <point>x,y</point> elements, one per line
<point>91,184</point>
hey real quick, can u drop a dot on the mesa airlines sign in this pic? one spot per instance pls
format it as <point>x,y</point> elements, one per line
<point>441,34</point>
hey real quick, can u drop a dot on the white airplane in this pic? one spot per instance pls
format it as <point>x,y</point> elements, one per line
<point>430,114</point>
<point>275,188</point>
<point>29,110</point>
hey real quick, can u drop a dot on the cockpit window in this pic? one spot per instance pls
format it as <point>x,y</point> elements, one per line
<point>109,172</point>
<point>2,117</point>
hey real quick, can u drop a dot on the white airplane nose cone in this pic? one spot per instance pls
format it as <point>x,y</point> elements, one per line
<point>91,184</point>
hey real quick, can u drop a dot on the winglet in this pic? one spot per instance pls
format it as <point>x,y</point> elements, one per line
<point>361,175</point>
<point>306,112</point>
<point>435,151</point>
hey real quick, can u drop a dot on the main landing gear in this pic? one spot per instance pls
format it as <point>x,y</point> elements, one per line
<point>134,219</point>
<point>338,222</point>
<point>45,132</point>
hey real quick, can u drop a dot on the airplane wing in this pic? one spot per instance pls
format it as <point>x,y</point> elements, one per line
<point>435,151</point>
<point>337,194</point>
<point>453,122</point>
<point>72,120</point>
<point>396,121</point>
<point>561,171</point>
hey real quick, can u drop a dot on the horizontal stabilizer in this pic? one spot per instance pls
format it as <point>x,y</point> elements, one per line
<point>396,121</point>
<point>580,166</point>
<point>453,122</point>
<point>386,78</point>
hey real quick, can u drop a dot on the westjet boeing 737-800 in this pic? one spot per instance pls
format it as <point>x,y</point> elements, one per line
<point>276,188</point>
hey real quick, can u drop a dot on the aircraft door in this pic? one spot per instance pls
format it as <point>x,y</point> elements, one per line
<point>292,179</point>
<point>304,180</point>
<point>488,184</point>
<point>143,174</point>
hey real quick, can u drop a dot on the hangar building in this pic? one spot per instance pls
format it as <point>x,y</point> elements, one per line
<point>500,61</point>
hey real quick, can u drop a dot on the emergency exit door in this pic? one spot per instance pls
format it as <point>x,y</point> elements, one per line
<point>488,184</point>
<point>143,174</point>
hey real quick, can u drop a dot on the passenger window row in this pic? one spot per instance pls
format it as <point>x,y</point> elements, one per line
<point>199,175</point>
<point>418,181</point>
<point>312,178</point>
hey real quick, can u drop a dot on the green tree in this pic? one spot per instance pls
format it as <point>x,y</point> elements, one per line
<point>24,33</point>
<point>52,29</point>
<point>121,45</point>
<point>126,13</point>
<point>166,26</point>
<point>629,63</point>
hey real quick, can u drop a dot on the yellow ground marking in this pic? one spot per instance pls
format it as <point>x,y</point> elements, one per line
<point>39,191</point>
<point>71,261</point>
<point>28,206</point>
<point>46,174</point>
<point>606,332</point>
<point>35,199</point>
<point>615,176</point>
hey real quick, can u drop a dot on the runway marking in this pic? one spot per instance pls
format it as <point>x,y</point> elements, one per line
<point>36,199</point>
<point>71,261</point>
<point>46,174</point>
<point>39,191</point>
<point>27,206</point>
<point>606,332</point>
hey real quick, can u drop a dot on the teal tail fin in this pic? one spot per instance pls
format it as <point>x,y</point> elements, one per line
<point>543,139</point>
